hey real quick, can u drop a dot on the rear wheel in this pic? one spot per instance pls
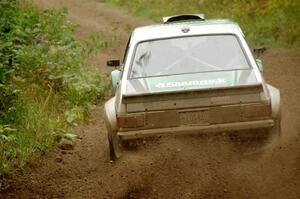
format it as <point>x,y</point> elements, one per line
<point>275,131</point>
<point>114,151</point>
<point>249,141</point>
<point>112,154</point>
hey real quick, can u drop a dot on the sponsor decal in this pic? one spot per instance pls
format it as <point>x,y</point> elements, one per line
<point>191,83</point>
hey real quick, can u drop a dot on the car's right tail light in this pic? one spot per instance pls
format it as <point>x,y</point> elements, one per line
<point>256,110</point>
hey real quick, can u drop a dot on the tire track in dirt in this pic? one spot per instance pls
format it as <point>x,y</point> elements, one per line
<point>167,167</point>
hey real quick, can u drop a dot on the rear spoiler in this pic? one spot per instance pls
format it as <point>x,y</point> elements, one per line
<point>194,93</point>
<point>184,17</point>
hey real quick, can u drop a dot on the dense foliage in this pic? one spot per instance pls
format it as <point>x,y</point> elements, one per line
<point>45,83</point>
<point>264,22</point>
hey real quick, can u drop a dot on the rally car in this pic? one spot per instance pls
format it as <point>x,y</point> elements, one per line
<point>188,75</point>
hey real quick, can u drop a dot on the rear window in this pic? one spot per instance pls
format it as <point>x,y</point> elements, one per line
<point>188,55</point>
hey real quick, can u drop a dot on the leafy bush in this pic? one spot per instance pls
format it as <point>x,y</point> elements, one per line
<point>269,22</point>
<point>45,83</point>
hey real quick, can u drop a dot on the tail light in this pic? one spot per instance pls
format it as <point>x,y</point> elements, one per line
<point>256,110</point>
<point>130,121</point>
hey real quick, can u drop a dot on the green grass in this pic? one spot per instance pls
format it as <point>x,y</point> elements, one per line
<point>46,85</point>
<point>268,22</point>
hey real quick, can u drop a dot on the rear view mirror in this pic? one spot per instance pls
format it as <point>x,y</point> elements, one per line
<point>113,63</point>
<point>259,51</point>
<point>260,65</point>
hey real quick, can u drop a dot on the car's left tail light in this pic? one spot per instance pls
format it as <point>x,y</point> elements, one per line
<point>130,121</point>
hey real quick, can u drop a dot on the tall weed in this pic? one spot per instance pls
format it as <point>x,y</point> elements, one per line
<point>46,85</point>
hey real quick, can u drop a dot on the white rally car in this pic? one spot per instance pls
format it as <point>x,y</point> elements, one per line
<point>188,75</point>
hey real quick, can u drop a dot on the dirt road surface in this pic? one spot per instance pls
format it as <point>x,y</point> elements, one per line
<point>168,167</point>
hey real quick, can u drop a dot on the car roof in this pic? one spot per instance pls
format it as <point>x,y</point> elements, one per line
<point>185,28</point>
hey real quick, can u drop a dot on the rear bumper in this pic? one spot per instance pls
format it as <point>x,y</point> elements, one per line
<point>197,129</point>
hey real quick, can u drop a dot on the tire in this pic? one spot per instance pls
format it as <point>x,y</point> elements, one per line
<point>112,153</point>
<point>255,141</point>
<point>249,142</point>
<point>114,150</point>
<point>275,131</point>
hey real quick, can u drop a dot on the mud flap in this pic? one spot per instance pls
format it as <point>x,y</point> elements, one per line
<point>114,148</point>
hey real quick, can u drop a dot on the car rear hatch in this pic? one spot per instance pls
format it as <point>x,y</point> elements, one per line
<point>193,99</point>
